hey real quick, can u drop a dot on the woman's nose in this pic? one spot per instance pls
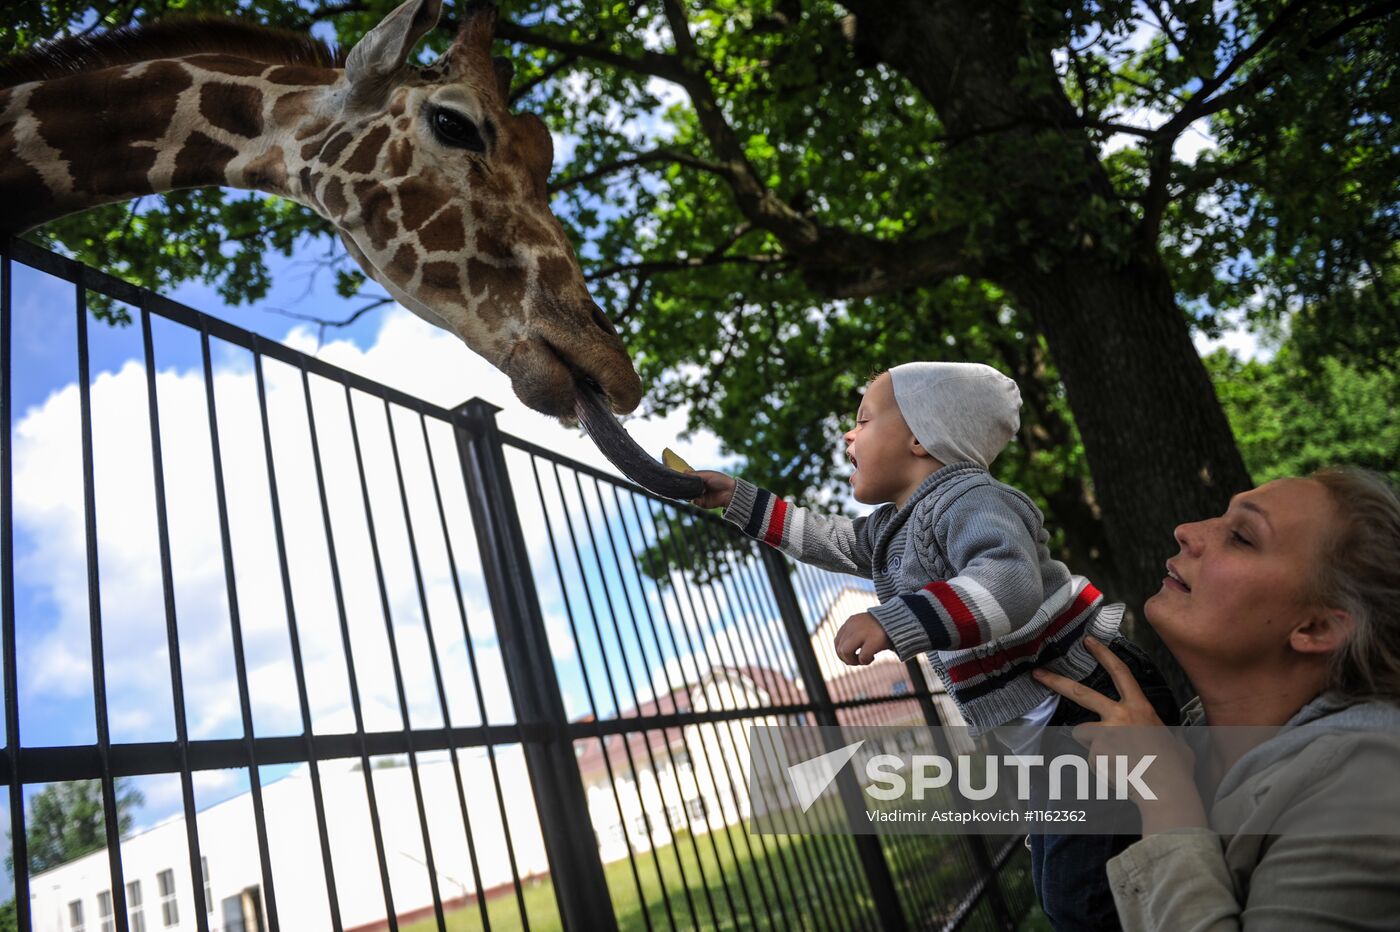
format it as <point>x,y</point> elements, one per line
<point>1188,536</point>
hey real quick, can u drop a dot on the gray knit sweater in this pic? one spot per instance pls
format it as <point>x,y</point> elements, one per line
<point>962,573</point>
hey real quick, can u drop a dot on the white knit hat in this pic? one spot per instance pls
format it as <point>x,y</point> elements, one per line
<point>959,411</point>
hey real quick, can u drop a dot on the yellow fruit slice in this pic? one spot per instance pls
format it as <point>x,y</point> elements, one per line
<point>673,461</point>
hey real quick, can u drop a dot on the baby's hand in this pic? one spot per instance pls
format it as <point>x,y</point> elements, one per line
<point>860,639</point>
<point>719,489</point>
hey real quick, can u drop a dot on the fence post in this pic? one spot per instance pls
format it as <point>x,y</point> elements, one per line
<point>977,844</point>
<point>575,867</point>
<point>872,857</point>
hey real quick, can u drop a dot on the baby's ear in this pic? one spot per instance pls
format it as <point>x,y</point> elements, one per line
<point>917,448</point>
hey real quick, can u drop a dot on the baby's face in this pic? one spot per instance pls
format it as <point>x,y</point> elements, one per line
<point>880,446</point>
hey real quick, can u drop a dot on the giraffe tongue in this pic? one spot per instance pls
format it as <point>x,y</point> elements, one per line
<point>619,447</point>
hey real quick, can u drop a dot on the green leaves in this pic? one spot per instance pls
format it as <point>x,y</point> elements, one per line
<point>747,196</point>
<point>66,821</point>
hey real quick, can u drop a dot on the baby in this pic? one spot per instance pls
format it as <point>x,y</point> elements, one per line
<point>962,573</point>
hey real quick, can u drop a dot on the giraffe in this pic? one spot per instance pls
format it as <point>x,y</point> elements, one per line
<point>436,189</point>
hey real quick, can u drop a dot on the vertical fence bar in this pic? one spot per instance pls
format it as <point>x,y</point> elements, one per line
<point>836,852</point>
<point>588,689</point>
<point>976,844</point>
<point>394,657</point>
<point>665,541</point>
<point>240,663</point>
<point>352,681</point>
<point>19,843</point>
<point>821,854</point>
<point>704,754</point>
<point>575,866</point>
<point>294,636</point>
<point>671,691</point>
<point>432,641</point>
<point>877,871</point>
<point>800,856</point>
<point>612,612</point>
<point>172,630</point>
<point>481,710</point>
<point>99,672</point>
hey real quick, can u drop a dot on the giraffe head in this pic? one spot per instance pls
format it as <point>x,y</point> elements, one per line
<point>440,194</point>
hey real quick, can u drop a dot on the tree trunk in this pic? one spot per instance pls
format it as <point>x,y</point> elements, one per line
<point>1159,447</point>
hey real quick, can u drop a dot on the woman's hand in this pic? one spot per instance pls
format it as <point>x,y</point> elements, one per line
<point>719,489</point>
<point>1170,776</point>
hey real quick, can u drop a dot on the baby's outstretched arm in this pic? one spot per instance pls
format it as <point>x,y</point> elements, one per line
<point>832,542</point>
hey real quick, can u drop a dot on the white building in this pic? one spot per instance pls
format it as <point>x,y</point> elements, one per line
<point>700,780</point>
<point>76,897</point>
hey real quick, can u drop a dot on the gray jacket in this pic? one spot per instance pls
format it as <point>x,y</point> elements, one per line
<point>963,574</point>
<point>1292,861</point>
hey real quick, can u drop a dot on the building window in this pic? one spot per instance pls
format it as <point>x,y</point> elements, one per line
<point>75,916</point>
<point>208,890</point>
<point>696,807</point>
<point>136,916</point>
<point>104,911</point>
<point>900,688</point>
<point>233,915</point>
<point>169,912</point>
<point>639,826</point>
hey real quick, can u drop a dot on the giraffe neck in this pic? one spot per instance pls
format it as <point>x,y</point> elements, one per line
<point>79,141</point>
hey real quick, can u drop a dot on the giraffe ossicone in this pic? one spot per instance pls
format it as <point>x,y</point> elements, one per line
<point>437,190</point>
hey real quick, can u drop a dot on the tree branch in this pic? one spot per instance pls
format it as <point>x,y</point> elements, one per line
<point>1201,105</point>
<point>652,267</point>
<point>648,62</point>
<point>334,9</point>
<point>1194,107</point>
<point>517,93</point>
<point>669,156</point>
<point>760,205</point>
<point>850,263</point>
<point>321,323</point>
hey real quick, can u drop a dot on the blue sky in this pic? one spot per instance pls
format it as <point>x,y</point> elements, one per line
<point>392,346</point>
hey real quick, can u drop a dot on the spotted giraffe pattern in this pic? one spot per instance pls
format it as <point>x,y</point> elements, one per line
<point>464,238</point>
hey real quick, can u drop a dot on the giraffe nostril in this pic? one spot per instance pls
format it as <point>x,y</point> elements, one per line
<point>602,321</point>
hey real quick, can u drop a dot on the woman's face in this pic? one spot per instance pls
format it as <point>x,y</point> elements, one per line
<point>1239,584</point>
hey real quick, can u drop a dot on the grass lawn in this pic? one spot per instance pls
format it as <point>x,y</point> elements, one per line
<point>773,881</point>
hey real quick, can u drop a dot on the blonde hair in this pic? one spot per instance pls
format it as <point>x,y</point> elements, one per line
<point>1359,573</point>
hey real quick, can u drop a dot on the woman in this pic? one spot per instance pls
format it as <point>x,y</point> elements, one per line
<point>1285,610</point>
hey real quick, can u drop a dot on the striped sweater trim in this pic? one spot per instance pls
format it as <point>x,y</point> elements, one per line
<point>977,676</point>
<point>767,518</point>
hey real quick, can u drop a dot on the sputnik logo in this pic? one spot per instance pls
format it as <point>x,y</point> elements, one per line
<point>810,778</point>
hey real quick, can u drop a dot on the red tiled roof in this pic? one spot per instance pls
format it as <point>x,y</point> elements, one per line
<point>636,744</point>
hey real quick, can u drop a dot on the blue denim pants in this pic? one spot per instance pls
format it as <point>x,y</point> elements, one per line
<point>1070,871</point>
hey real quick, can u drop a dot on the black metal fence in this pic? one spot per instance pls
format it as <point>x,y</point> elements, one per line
<point>425,557</point>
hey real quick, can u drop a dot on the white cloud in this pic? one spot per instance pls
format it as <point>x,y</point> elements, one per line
<point>51,544</point>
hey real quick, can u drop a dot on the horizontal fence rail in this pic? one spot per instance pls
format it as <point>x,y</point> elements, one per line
<point>374,663</point>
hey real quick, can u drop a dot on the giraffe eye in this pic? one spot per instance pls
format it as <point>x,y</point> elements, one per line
<point>453,129</point>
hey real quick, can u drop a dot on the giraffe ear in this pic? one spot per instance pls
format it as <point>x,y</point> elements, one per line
<point>379,55</point>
